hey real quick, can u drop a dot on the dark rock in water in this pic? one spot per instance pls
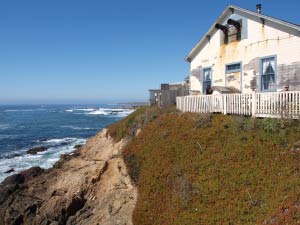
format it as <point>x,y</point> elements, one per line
<point>77,146</point>
<point>25,175</point>
<point>12,156</point>
<point>10,170</point>
<point>34,151</point>
<point>14,179</point>
<point>64,143</point>
<point>66,157</point>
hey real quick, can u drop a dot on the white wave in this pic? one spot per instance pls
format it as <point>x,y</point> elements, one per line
<point>119,112</point>
<point>86,110</point>
<point>80,109</point>
<point>6,136</point>
<point>18,110</point>
<point>43,159</point>
<point>23,110</point>
<point>98,112</point>
<point>77,128</point>
<point>59,140</point>
<point>111,112</point>
<point>4,126</point>
<point>13,154</point>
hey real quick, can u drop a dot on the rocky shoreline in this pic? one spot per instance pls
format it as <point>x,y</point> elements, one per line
<point>88,186</point>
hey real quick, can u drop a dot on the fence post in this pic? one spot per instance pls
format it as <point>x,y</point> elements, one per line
<point>224,100</point>
<point>254,104</point>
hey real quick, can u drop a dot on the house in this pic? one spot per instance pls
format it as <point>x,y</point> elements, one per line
<point>248,52</point>
<point>167,93</point>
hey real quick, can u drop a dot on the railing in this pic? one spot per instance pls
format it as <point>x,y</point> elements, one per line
<point>275,104</point>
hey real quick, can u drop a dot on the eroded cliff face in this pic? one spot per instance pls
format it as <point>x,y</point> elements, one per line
<point>89,186</point>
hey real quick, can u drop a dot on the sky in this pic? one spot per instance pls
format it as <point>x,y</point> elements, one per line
<point>100,51</point>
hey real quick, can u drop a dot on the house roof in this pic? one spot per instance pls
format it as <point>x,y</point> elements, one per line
<point>230,9</point>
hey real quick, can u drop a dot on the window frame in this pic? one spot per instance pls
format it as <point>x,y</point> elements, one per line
<point>261,73</point>
<point>206,81</point>
<point>233,71</point>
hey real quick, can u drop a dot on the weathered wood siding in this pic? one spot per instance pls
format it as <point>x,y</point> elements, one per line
<point>258,40</point>
<point>163,98</point>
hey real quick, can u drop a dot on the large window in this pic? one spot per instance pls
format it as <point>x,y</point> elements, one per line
<point>268,74</point>
<point>206,79</point>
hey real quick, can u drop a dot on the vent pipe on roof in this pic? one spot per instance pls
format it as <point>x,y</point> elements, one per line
<point>258,8</point>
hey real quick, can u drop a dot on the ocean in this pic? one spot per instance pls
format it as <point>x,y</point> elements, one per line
<point>59,128</point>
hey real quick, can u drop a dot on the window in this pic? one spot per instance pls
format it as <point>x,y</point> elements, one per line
<point>234,30</point>
<point>233,75</point>
<point>233,67</point>
<point>206,79</point>
<point>268,74</point>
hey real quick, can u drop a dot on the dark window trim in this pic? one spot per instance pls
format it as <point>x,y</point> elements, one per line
<point>261,73</point>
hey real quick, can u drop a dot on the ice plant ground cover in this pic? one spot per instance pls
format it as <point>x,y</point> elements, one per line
<point>212,169</point>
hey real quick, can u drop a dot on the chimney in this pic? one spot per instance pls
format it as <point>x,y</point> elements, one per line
<point>258,8</point>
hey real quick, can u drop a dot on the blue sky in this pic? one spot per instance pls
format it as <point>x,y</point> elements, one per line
<point>94,51</point>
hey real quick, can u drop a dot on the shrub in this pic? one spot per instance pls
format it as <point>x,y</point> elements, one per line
<point>132,165</point>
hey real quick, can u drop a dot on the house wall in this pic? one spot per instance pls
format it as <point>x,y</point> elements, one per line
<point>257,41</point>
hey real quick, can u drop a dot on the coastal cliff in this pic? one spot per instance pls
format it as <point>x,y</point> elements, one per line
<point>187,168</point>
<point>88,186</point>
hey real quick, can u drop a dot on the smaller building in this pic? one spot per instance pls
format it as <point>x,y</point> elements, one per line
<point>166,95</point>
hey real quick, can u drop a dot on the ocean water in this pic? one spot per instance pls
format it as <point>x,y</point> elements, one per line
<point>58,127</point>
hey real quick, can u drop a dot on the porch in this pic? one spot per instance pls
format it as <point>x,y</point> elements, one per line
<point>268,104</point>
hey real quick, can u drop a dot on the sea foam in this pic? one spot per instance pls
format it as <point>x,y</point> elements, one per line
<point>111,112</point>
<point>44,159</point>
<point>118,112</point>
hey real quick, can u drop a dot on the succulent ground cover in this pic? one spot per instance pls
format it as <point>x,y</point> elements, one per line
<point>212,169</point>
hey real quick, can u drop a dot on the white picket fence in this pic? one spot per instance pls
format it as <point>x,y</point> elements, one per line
<point>272,104</point>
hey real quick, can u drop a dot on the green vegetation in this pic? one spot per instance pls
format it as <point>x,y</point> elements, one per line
<point>212,169</point>
<point>128,127</point>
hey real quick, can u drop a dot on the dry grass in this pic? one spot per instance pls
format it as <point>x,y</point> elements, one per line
<point>214,169</point>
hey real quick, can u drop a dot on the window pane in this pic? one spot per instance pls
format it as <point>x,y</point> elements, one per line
<point>268,74</point>
<point>268,65</point>
<point>265,67</point>
<point>233,67</point>
<point>206,79</point>
<point>207,74</point>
